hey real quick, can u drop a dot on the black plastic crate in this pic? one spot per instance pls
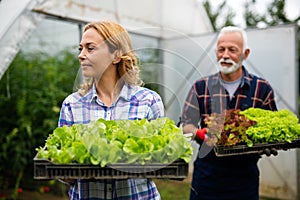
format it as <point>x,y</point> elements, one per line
<point>46,170</point>
<point>221,150</point>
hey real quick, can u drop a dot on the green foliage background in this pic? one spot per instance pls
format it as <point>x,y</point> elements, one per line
<point>32,91</point>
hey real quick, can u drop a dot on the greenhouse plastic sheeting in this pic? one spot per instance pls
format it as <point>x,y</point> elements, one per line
<point>147,17</point>
<point>15,29</point>
<point>185,16</point>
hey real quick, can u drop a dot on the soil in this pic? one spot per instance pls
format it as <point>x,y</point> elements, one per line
<point>34,195</point>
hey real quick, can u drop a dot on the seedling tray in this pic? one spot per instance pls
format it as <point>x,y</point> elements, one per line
<point>221,150</point>
<point>46,170</point>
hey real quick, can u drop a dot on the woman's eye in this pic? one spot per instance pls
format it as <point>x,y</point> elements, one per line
<point>88,49</point>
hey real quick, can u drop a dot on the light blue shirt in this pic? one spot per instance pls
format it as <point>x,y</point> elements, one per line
<point>134,102</point>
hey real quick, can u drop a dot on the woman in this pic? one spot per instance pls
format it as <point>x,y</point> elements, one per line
<point>113,92</point>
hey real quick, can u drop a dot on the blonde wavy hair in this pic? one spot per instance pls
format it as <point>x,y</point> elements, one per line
<point>117,39</point>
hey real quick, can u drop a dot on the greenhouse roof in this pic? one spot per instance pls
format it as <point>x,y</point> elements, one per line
<point>153,18</point>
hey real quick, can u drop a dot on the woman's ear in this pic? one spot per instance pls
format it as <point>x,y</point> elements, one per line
<point>117,58</point>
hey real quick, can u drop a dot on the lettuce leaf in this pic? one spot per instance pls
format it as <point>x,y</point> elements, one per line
<point>272,126</point>
<point>104,142</point>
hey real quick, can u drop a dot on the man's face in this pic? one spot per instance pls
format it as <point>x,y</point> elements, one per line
<point>230,52</point>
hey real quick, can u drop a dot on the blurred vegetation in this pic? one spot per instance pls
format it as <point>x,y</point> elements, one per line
<point>173,189</point>
<point>32,91</point>
<point>275,15</point>
<point>149,66</point>
<point>223,15</point>
<point>221,12</point>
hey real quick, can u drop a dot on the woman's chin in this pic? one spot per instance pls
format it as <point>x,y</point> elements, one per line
<point>87,72</point>
<point>88,75</point>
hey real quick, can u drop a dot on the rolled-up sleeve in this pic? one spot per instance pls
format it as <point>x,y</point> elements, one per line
<point>157,108</point>
<point>65,116</point>
<point>190,113</point>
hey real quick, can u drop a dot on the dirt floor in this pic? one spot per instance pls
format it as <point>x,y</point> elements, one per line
<point>54,190</point>
<point>169,190</point>
<point>35,195</point>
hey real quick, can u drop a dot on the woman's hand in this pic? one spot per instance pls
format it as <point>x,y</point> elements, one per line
<point>68,181</point>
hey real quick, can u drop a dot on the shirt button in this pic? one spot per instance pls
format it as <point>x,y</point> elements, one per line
<point>108,114</point>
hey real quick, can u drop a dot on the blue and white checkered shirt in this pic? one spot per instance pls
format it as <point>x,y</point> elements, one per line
<point>133,103</point>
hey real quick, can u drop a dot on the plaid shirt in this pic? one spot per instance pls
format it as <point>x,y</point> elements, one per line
<point>205,98</point>
<point>228,177</point>
<point>133,103</point>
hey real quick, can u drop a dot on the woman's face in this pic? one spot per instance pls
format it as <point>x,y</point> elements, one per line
<point>94,55</point>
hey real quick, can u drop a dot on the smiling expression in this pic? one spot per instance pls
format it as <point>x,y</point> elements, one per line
<point>230,46</point>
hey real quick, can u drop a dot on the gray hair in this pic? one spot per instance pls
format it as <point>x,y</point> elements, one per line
<point>235,29</point>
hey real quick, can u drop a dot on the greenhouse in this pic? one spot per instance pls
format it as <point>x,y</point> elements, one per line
<point>175,44</point>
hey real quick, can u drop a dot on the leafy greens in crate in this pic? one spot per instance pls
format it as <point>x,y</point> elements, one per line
<point>253,126</point>
<point>104,142</point>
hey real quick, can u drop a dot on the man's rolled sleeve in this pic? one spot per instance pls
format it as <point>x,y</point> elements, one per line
<point>191,114</point>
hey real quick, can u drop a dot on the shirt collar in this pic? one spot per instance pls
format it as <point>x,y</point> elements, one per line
<point>126,93</point>
<point>94,94</point>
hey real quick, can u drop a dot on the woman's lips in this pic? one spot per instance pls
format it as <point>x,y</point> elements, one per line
<point>84,66</point>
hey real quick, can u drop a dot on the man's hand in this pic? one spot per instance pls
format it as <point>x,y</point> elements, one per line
<point>199,135</point>
<point>269,152</point>
<point>203,134</point>
<point>67,181</point>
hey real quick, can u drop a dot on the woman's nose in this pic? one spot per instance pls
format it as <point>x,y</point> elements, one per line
<point>81,55</point>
